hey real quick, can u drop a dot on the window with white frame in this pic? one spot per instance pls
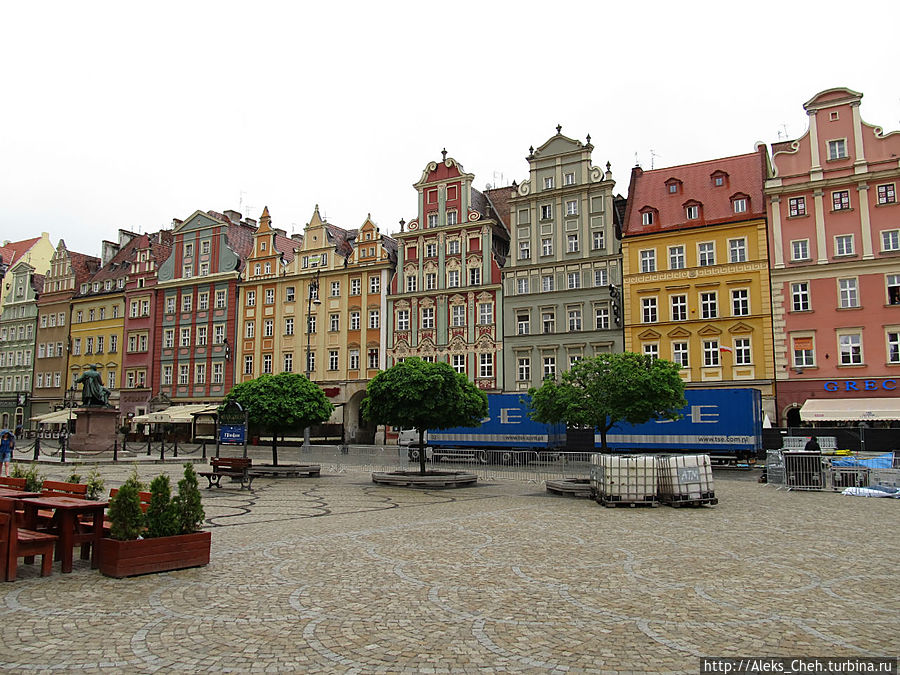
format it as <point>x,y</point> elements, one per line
<point>221,298</point>
<point>648,260</point>
<point>892,282</point>
<point>598,239</point>
<point>803,352</point>
<point>403,319</point>
<point>333,359</point>
<point>268,327</point>
<point>374,284</point>
<point>797,206</point>
<point>218,333</point>
<point>524,250</point>
<point>453,246</point>
<point>311,323</point>
<point>201,338</point>
<point>183,374</point>
<point>354,320</point>
<point>546,211</point>
<point>574,314</point>
<point>168,338</point>
<point>649,310</point>
<point>843,244</point>
<point>679,307</point>
<point>739,205</point>
<point>848,293</point>
<point>800,249</point>
<point>374,318</point>
<point>706,254</point>
<point>572,243</point>
<point>742,355</point>
<point>601,317</point>
<point>710,353</point>
<point>334,322</point>
<point>457,315</point>
<point>353,359</point>
<point>890,240</point>
<point>373,358</point>
<point>887,194</point>
<point>335,289</point>
<point>167,375</point>
<point>202,304</point>
<point>547,283</point>
<point>837,149</point>
<point>692,212</point>
<point>485,313</point>
<point>651,349</point>
<point>523,322</point>
<point>474,276</point>
<point>522,285</point>
<point>800,296</point>
<point>453,279</point>
<point>432,220</point>
<point>680,354</point>
<point>251,298</point>
<point>218,376</point>
<point>571,207</point>
<point>850,346</point>
<point>289,326</point>
<point>546,246</point>
<point>676,257</point>
<point>840,200</point>
<point>186,337</point>
<point>549,366</point>
<point>548,182</point>
<point>249,329</point>
<point>573,279</point>
<point>270,296</point>
<point>411,283</point>
<point>740,302</point>
<point>647,218</point>
<point>569,178</point>
<point>485,365</point>
<point>430,250</point>
<point>451,217</point>
<point>311,362</point>
<point>548,322</point>
<point>428,317</point>
<point>893,346</point>
<point>458,362</point>
<point>430,281</point>
<point>709,306</point>
<point>523,368</point>
<point>200,372</point>
<point>601,277</point>
<point>355,286</point>
<point>737,250</point>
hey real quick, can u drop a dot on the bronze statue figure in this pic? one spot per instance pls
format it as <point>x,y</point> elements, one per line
<point>93,393</point>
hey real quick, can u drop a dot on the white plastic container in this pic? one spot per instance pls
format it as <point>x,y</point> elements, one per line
<point>623,479</point>
<point>686,479</point>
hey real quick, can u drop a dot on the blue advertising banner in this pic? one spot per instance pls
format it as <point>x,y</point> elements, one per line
<point>232,433</point>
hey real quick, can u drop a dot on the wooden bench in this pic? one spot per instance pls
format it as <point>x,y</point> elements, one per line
<point>233,467</point>
<point>15,483</point>
<point>16,542</point>
<point>295,470</point>
<point>54,488</point>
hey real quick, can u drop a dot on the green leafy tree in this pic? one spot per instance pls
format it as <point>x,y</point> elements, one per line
<point>416,393</point>
<point>609,388</point>
<point>125,515</point>
<point>281,403</point>
<point>162,520</point>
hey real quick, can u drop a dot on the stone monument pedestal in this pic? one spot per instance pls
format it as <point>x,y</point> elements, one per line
<point>95,429</point>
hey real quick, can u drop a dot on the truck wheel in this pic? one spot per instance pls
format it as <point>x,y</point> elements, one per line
<point>413,455</point>
<point>481,457</point>
<point>507,457</point>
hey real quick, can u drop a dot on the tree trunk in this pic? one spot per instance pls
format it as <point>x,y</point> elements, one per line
<point>274,449</point>
<point>603,447</point>
<point>422,451</point>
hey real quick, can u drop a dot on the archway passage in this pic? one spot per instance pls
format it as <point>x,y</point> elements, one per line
<point>792,417</point>
<point>359,430</point>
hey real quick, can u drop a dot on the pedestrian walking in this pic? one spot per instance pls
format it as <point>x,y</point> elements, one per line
<point>7,445</point>
<point>812,445</point>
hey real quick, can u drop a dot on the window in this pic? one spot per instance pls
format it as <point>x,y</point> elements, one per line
<point>740,302</point>
<point>572,208</point>
<point>451,217</point>
<point>200,373</point>
<point>601,277</point>
<point>374,318</point>
<point>90,315</point>
<point>186,337</point>
<point>204,247</point>
<point>311,323</point>
<point>403,319</point>
<point>249,329</point>
<point>651,349</point>
<point>692,212</point>
<point>548,182</point>
<point>432,220</point>
<point>742,352</point>
<point>800,296</point>
<point>737,250</point>
<point>676,257</point>
<point>572,243</point>
<point>549,366</point>
<point>648,260</point>
<point>546,212</point>
<point>453,247</point>
<point>202,303</point>
<point>353,359</point>
<point>848,293</point>
<point>167,375</point>
<point>546,246</point>
<point>840,200</point>
<point>289,326</point>
<point>373,358</point>
<point>251,298</point>
<point>680,354</point>
<point>851,349</point>
<point>709,305</point>
<point>706,254</point>
<point>804,355</point>
<point>78,315</point>
<point>218,375</point>
<point>485,313</point>
<point>218,334</point>
<point>887,194</point>
<point>740,205</point>
<point>76,346</point>
<point>458,315</point>
<point>355,286</point>
<point>188,250</point>
<point>547,283</point>
<point>354,320</point>
<point>268,328</point>
<point>523,322</point>
<point>474,276</point>
<point>485,365</point>
<point>648,310</point>
<point>334,322</point>
<point>569,178</point>
<point>797,206</point>
<point>647,218</point>
<point>892,282</point>
<point>430,250</point>
<point>523,369</point>
<point>548,322</point>
<point>524,250</point>
<point>270,296</point>
<point>598,240</point>
<point>837,149</point>
<point>221,298</point>
<point>310,362</point>
<point>843,244</point>
<point>332,359</point>
<point>187,271</point>
<point>428,317</point>
<point>601,318</point>
<point>574,319</point>
<point>800,249</point>
<point>169,338</point>
<point>893,347</point>
<point>890,240</point>
<point>710,352</point>
<point>411,284</point>
<point>573,279</point>
<point>522,285</point>
<point>288,362</point>
<point>374,284</point>
<point>248,364</point>
<point>183,374</point>
<point>204,269</point>
<point>430,281</point>
<point>187,303</point>
<point>133,312</point>
<point>453,279</point>
<point>678,304</point>
<point>102,313</point>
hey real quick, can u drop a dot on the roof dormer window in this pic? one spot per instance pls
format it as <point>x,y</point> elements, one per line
<point>692,210</point>
<point>719,178</point>
<point>740,202</point>
<point>648,215</point>
<point>673,186</point>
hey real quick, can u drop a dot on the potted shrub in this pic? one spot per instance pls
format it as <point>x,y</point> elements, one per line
<point>165,538</point>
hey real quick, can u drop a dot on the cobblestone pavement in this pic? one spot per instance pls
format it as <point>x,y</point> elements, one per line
<point>334,574</point>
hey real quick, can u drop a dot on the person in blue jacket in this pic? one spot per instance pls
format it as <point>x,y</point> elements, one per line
<point>7,445</point>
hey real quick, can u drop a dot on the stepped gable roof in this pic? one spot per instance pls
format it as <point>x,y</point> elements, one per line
<point>743,174</point>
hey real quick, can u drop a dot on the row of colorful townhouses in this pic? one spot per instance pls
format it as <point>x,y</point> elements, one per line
<point>778,270</point>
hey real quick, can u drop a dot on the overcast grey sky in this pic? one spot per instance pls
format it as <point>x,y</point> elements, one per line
<point>129,115</point>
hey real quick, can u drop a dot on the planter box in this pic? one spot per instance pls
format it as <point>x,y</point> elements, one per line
<point>146,556</point>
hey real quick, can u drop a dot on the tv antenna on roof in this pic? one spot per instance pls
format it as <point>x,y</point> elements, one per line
<point>653,156</point>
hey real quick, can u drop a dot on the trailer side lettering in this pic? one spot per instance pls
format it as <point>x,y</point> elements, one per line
<point>510,415</point>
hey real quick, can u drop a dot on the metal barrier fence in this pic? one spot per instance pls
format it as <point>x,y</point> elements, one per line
<point>799,470</point>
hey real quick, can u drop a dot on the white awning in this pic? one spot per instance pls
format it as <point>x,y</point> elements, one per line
<point>176,414</point>
<point>850,410</point>
<point>56,417</point>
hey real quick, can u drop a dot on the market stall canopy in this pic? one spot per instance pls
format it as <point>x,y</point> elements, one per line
<point>56,417</point>
<point>850,410</point>
<point>176,414</point>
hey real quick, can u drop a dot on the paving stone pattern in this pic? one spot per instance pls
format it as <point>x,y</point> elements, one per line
<point>334,574</point>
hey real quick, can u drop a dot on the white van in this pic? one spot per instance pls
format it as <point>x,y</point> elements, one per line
<point>408,437</point>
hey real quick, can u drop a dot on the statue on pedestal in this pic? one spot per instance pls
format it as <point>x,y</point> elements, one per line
<point>93,393</point>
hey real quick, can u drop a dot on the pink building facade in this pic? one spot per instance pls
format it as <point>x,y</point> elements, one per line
<point>834,241</point>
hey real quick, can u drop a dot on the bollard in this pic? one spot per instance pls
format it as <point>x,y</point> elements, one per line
<point>175,446</point>
<point>37,447</point>
<point>148,445</point>
<point>116,449</point>
<point>162,451</point>
<point>204,449</point>
<point>62,450</point>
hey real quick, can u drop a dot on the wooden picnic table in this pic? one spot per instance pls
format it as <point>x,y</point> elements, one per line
<point>67,511</point>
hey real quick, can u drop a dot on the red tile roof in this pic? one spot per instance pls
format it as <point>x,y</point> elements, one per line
<point>14,250</point>
<point>648,189</point>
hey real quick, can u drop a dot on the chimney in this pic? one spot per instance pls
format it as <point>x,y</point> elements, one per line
<point>108,250</point>
<point>233,216</point>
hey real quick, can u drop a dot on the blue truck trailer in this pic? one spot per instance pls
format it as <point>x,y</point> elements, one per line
<point>723,422</point>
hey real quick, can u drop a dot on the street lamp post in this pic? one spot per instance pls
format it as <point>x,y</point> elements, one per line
<point>312,297</point>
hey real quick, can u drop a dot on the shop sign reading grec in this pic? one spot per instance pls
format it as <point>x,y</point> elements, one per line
<point>860,385</point>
